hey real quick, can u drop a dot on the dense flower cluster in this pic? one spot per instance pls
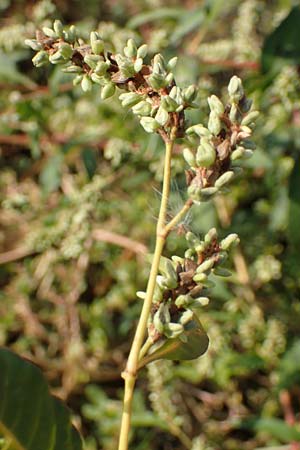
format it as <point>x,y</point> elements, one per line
<point>225,140</point>
<point>183,284</point>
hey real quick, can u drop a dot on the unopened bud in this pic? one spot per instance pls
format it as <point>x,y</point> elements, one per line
<point>108,91</point>
<point>235,89</point>
<point>230,241</point>
<point>86,83</point>
<point>149,124</point>
<point>58,28</point>
<point>142,51</point>
<point>215,105</point>
<point>224,179</point>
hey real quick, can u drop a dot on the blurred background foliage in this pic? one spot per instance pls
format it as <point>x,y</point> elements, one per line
<point>80,184</point>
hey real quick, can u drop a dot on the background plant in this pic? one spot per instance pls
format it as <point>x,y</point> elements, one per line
<point>66,150</point>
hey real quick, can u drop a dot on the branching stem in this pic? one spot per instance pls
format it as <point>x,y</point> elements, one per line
<point>130,373</point>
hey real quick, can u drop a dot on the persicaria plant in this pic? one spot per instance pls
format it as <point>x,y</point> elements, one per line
<point>169,326</point>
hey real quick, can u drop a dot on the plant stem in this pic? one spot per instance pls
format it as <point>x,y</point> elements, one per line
<point>130,372</point>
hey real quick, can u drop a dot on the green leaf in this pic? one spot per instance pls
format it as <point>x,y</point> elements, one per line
<point>277,428</point>
<point>30,418</point>
<point>294,209</point>
<point>196,345</point>
<point>155,14</point>
<point>9,71</point>
<point>51,174</point>
<point>283,43</point>
<point>89,161</point>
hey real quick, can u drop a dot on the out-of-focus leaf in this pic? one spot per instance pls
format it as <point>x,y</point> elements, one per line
<point>30,418</point>
<point>51,173</point>
<point>277,428</point>
<point>289,368</point>
<point>189,22</point>
<point>174,349</point>
<point>283,43</point>
<point>294,209</point>
<point>156,14</point>
<point>90,161</point>
<point>10,74</point>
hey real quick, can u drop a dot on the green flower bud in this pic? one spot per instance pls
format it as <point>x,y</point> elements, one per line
<point>199,130</point>
<point>190,93</point>
<point>206,265</point>
<point>97,79</point>
<point>211,235</point>
<point>173,330</point>
<point>235,89</point>
<point>192,239</point>
<point>108,90</point>
<point>183,301</point>
<point>157,81</point>
<point>199,302</point>
<point>72,69</point>
<point>141,295</point>
<point>34,44</point>
<point>138,64</point>
<point>86,83</point>
<point>224,179</point>
<point>169,103</point>
<point>215,105</point>
<point>77,80</point>
<point>149,124</point>
<point>158,294</point>
<point>206,154</point>
<point>194,192</point>
<point>71,34</point>
<point>40,59</point>
<point>162,116</point>
<point>101,68</point>
<point>186,317</point>
<point>177,259</point>
<point>49,32</point>
<point>142,51</point>
<point>58,28</point>
<point>189,157</point>
<point>92,60</point>
<point>251,117</point>
<point>130,99</point>
<point>125,66</point>
<point>172,63</point>
<point>200,277</point>
<point>57,58</point>
<point>237,154</point>
<point>189,253</point>
<point>157,321</point>
<point>159,65</point>
<point>221,272</point>
<point>65,50</point>
<point>130,50</point>
<point>248,153</point>
<point>169,78</point>
<point>214,123</point>
<point>235,115</point>
<point>142,108</point>
<point>230,241</point>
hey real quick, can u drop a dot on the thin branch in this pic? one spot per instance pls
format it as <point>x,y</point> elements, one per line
<point>117,239</point>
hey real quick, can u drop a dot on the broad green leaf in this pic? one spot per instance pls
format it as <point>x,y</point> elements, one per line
<point>174,349</point>
<point>283,43</point>
<point>30,418</point>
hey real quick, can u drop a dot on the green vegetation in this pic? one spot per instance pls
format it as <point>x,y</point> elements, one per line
<point>82,168</point>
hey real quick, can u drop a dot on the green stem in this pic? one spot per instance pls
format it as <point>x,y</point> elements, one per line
<point>179,216</point>
<point>130,372</point>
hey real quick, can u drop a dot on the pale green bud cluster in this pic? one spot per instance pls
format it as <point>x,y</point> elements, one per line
<point>222,142</point>
<point>182,286</point>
